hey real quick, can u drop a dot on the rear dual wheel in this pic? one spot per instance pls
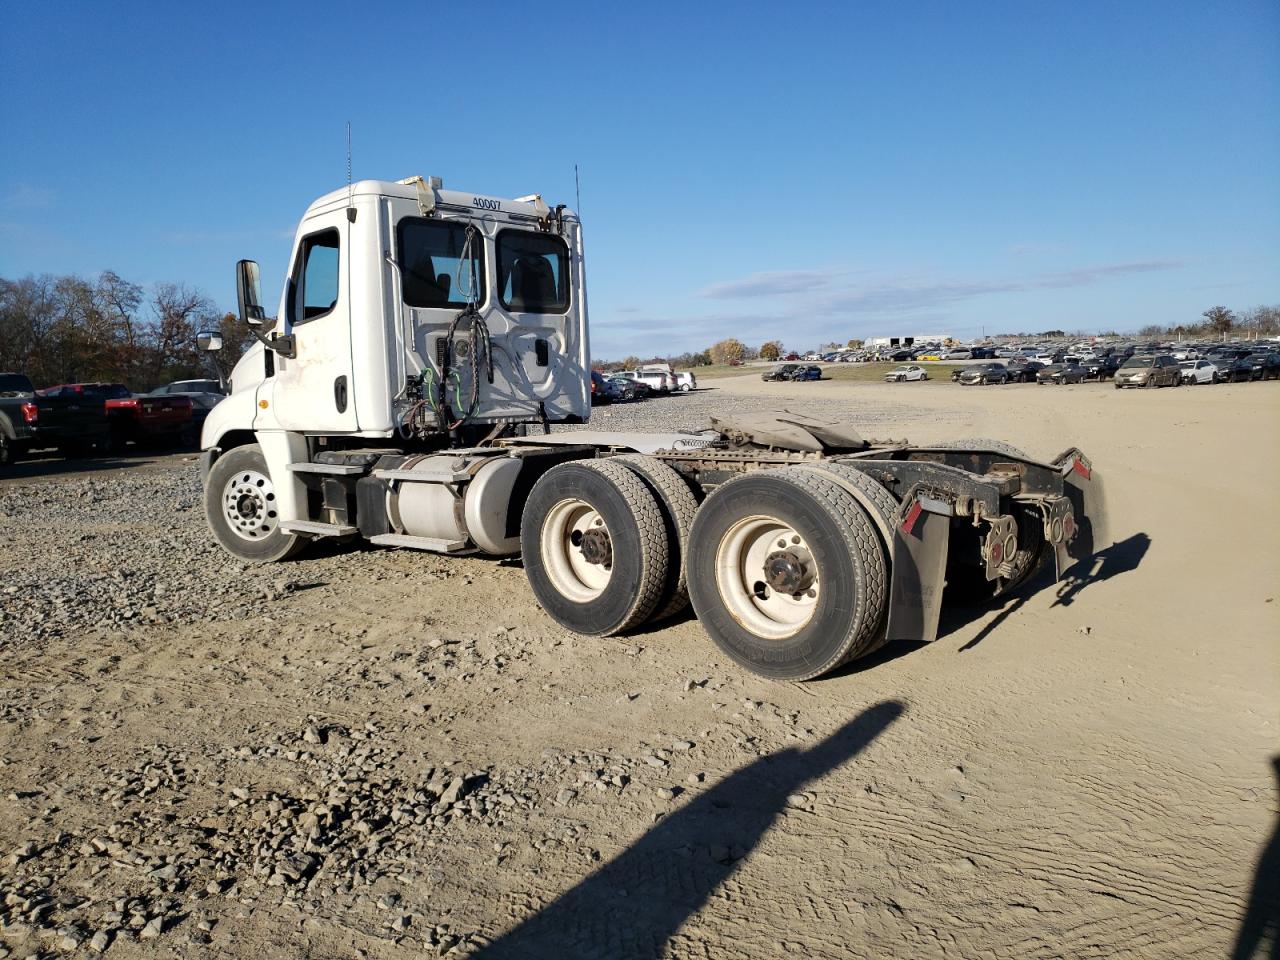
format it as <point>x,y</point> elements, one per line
<point>787,573</point>
<point>596,548</point>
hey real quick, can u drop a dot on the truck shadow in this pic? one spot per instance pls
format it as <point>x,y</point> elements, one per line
<point>632,906</point>
<point>1120,557</point>
<point>1259,934</point>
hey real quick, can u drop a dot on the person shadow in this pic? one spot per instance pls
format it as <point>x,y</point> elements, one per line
<point>632,906</point>
<point>1259,934</point>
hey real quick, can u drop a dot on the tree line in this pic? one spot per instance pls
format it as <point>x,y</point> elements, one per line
<point>69,329</point>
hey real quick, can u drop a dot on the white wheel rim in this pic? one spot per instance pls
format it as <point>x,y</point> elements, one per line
<point>569,571</point>
<point>249,505</point>
<point>740,578</point>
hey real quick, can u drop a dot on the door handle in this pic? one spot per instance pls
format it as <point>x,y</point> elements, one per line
<point>340,393</point>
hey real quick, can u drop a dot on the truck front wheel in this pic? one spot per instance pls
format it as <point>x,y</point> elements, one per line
<point>240,507</point>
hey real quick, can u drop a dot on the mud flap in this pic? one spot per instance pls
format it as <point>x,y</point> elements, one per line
<point>1083,487</point>
<point>919,574</point>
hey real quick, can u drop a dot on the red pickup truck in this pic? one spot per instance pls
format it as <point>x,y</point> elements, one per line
<point>143,419</point>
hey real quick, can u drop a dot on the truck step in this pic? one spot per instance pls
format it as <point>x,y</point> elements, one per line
<point>420,543</point>
<point>330,469</point>
<point>317,529</point>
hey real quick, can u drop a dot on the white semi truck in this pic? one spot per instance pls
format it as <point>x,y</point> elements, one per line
<point>426,343</point>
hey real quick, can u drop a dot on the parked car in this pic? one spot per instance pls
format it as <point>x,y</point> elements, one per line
<point>204,396</point>
<point>601,391</point>
<point>686,381</point>
<point>931,355</point>
<point>1262,365</point>
<point>983,373</point>
<point>960,354</point>
<point>792,356</point>
<point>1061,373</point>
<point>1102,368</point>
<point>627,389</point>
<point>807,372</point>
<point>781,371</point>
<point>1231,365</point>
<point>1149,371</point>
<point>906,373</point>
<point>1198,371</point>
<point>190,387</point>
<point>658,380</point>
<point>1024,371</point>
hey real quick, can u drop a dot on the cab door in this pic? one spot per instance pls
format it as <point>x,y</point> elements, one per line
<point>312,391</point>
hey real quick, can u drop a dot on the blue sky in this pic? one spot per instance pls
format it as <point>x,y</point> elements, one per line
<point>804,171</point>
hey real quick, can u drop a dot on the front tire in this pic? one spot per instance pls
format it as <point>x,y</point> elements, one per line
<point>240,508</point>
<point>787,574</point>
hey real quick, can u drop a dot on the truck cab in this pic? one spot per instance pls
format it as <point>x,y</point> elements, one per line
<point>374,334</point>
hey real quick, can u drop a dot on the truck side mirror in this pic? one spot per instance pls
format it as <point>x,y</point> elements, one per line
<point>209,341</point>
<point>248,293</point>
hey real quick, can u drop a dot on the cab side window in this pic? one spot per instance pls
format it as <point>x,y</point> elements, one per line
<point>313,288</point>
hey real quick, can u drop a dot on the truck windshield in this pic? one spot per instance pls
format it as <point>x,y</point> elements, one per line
<point>432,270</point>
<point>533,272</point>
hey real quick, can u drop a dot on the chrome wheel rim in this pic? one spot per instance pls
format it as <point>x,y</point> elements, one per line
<point>249,505</point>
<point>767,577</point>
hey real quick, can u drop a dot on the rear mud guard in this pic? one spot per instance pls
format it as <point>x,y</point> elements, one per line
<point>1082,485</point>
<point>920,542</point>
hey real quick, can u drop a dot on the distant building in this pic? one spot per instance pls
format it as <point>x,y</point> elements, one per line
<point>880,343</point>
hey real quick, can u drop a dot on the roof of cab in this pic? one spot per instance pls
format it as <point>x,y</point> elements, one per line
<point>409,191</point>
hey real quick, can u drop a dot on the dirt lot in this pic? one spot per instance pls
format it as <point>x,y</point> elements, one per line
<point>386,754</point>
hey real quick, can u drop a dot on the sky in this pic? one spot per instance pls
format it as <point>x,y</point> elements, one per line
<point>803,172</point>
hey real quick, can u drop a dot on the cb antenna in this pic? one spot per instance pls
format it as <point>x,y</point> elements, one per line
<point>351,207</point>
<point>577,191</point>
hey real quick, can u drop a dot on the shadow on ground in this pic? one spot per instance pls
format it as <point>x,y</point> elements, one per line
<point>31,469</point>
<point>630,908</point>
<point>1120,557</point>
<point>1259,935</point>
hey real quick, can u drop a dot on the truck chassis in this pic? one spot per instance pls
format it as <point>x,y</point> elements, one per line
<point>799,545</point>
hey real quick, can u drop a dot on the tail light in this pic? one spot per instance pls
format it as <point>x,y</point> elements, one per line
<point>30,413</point>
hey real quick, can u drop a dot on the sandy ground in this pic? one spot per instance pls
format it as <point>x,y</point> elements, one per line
<point>1083,770</point>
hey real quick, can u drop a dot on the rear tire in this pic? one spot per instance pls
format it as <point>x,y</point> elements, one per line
<point>239,506</point>
<point>596,597</point>
<point>679,504</point>
<point>806,534</point>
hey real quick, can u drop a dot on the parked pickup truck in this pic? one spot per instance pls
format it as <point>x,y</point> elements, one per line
<point>31,420</point>
<point>130,419</point>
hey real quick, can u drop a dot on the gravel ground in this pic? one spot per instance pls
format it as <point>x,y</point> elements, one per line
<point>387,754</point>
